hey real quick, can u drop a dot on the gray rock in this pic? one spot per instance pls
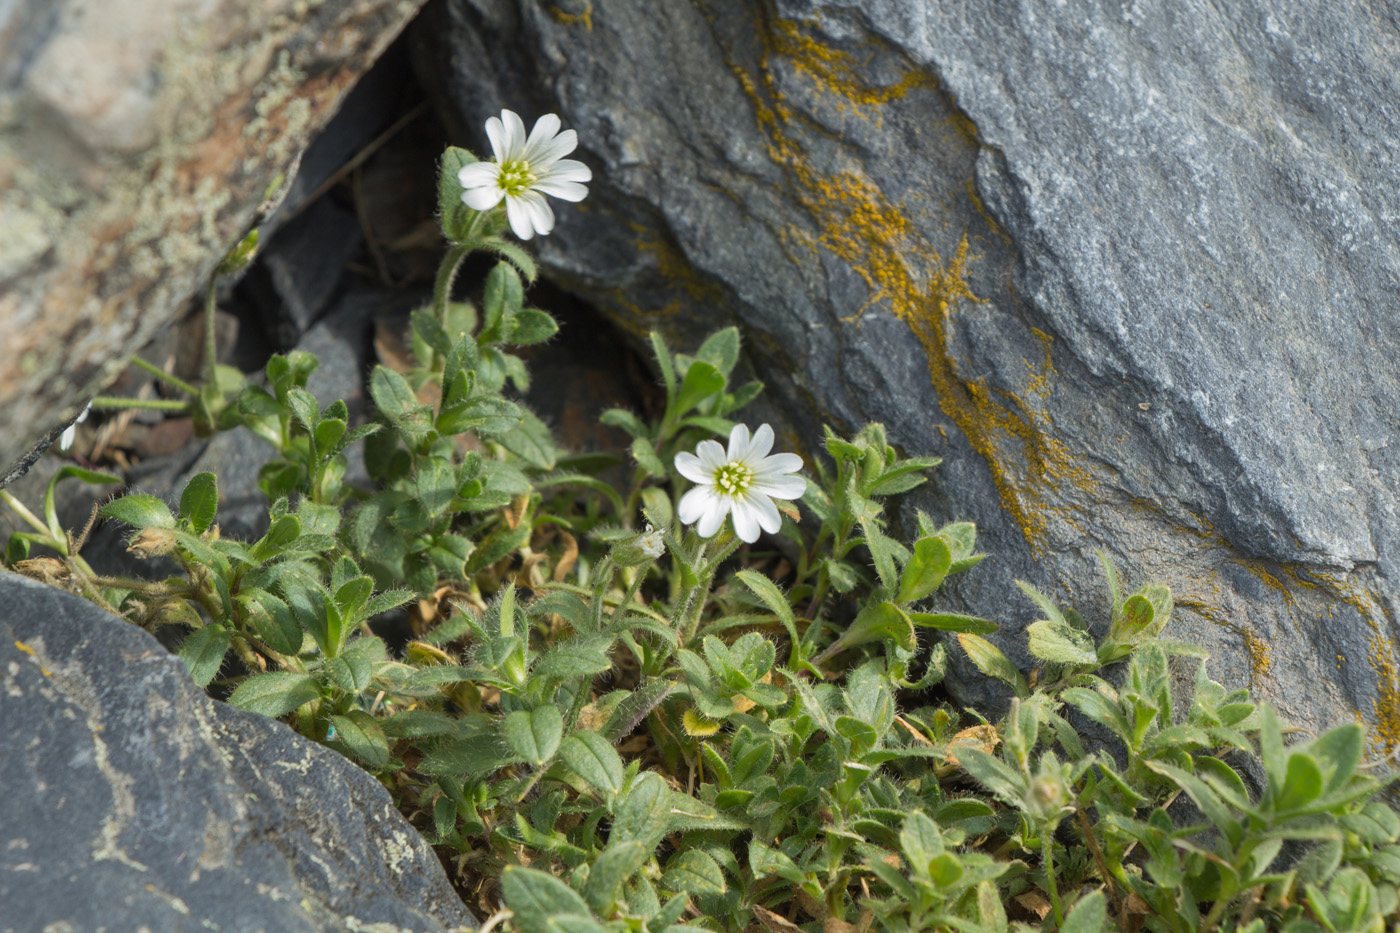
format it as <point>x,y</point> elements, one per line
<point>1179,223</point>
<point>133,801</point>
<point>295,280</point>
<point>134,151</point>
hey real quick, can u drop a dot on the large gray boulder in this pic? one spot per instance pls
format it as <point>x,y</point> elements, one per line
<point>138,143</point>
<point>134,802</point>
<point>1132,269</point>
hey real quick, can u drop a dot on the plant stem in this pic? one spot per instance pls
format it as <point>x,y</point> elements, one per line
<point>8,498</point>
<point>156,404</point>
<point>164,376</point>
<point>1048,861</point>
<point>442,287</point>
<point>210,347</point>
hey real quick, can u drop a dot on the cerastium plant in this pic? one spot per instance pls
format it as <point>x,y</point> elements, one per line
<point>623,708</point>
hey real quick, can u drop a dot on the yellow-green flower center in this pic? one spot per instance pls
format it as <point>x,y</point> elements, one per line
<point>516,177</point>
<point>733,479</point>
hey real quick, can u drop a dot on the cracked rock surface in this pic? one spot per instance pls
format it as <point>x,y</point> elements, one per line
<point>133,801</point>
<point>1131,268</point>
<point>135,150</point>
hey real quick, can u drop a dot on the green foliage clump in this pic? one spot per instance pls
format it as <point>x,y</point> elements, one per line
<point>609,728</point>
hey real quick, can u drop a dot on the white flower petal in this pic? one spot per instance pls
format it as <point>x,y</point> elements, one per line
<point>515,136</point>
<point>713,518</point>
<point>478,174</point>
<point>482,199</point>
<point>496,132</point>
<point>759,445</point>
<point>768,518</point>
<point>778,464</point>
<point>544,152</point>
<point>689,466</point>
<point>738,442</point>
<point>69,435</point>
<point>563,190</point>
<point>745,521</point>
<point>567,170</point>
<point>541,215</point>
<point>519,216</point>
<point>695,503</point>
<point>543,132</point>
<point>711,456</point>
<point>781,487</point>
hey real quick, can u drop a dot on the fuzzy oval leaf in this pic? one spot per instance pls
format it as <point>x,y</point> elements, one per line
<point>925,570</point>
<point>534,736</point>
<point>275,694</point>
<point>358,731</point>
<point>199,502</point>
<point>592,757</point>
<point>701,381</point>
<point>694,872</point>
<point>139,511</point>
<point>1061,642</point>
<point>954,622</point>
<point>535,897</point>
<point>203,652</point>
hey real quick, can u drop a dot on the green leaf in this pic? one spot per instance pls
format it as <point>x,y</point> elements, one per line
<point>989,660</point>
<point>925,570</point>
<point>695,872</point>
<point>646,458</point>
<point>1060,642</point>
<point>531,325</point>
<point>199,502</point>
<point>1302,783</point>
<point>701,381</point>
<point>535,736</point>
<point>397,400</point>
<point>592,757</point>
<point>619,861</point>
<point>275,694</point>
<point>995,774</point>
<point>765,861</point>
<point>203,652</point>
<point>531,441</point>
<point>642,813</point>
<point>360,732</point>
<point>1136,617</point>
<point>536,896</point>
<point>435,484</point>
<point>667,367</point>
<point>878,622</point>
<point>953,622</point>
<point>1046,604</point>
<point>139,511</point>
<point>721,349</point>
<point>452,213</point>
<point>502,298</point>
<point>1338,752</point>
<point>621,418</point>
<point>303,405</point>
<point>484,414</point>
<point>1088,916</point>
<point>580,656</point>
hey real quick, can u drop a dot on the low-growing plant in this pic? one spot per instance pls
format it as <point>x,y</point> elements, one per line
<point>610,717</point>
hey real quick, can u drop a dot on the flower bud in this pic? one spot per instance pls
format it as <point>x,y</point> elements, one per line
<point>644,548</point>
<point>151,542</point>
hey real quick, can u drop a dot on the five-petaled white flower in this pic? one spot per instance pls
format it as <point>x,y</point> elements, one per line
<point>70,433</point>
<point>524,172</point>
<point>744,481</point>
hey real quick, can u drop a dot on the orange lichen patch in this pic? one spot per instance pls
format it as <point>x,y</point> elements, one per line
<point>30,651</point>
<point>905,273</point>
<point>839,71</point>
<point>565,18</point>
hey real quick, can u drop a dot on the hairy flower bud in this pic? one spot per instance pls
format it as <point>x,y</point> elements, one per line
<point>644,548</point>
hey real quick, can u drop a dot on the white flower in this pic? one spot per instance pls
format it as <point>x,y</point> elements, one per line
<point>744,481</point>
<point>70,433</point>
<point>525,171</point>
<point>652,542</point>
